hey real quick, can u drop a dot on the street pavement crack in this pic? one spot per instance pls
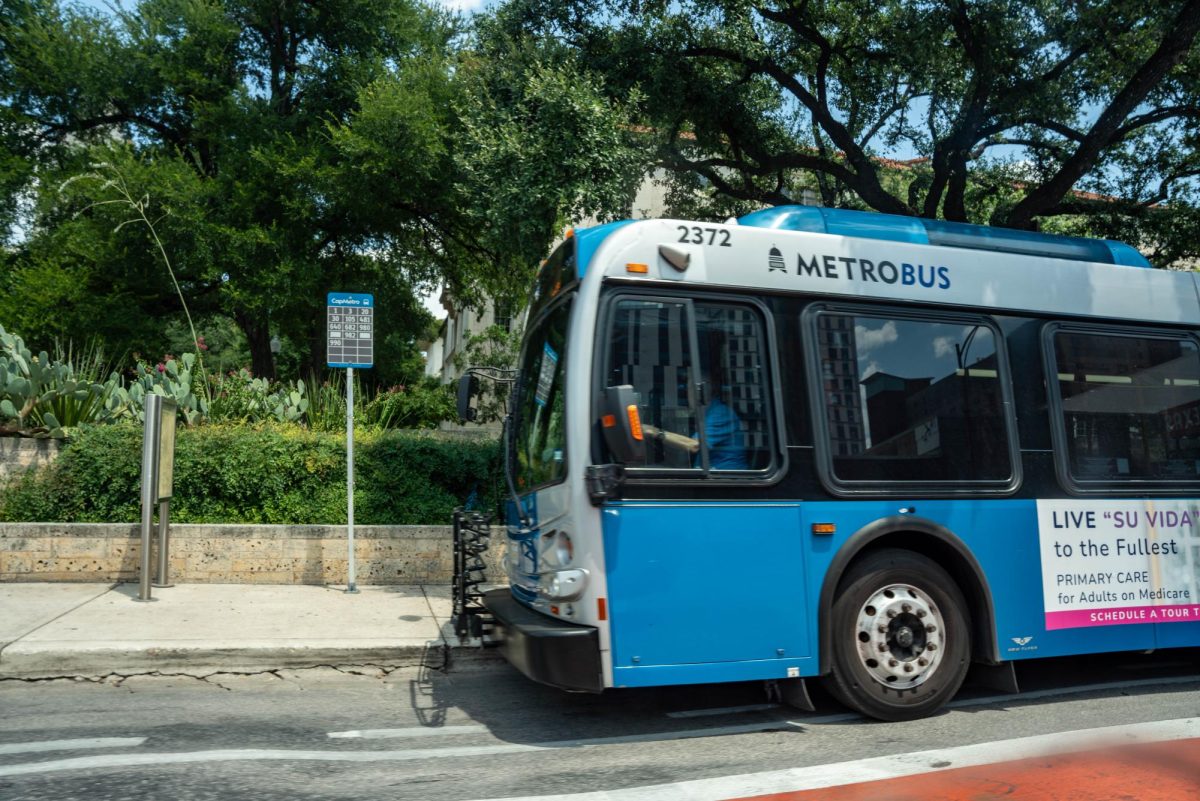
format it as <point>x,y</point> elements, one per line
<point>117,678</point>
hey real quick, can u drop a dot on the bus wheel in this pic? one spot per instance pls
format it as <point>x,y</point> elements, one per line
<point>901,636</point>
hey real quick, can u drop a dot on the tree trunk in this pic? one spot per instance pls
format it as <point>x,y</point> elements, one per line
<point>258,337</point>
<point>317,344</point>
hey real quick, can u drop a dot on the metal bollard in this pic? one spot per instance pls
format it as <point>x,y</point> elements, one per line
<point>151,431</point>
<point>162,578</point>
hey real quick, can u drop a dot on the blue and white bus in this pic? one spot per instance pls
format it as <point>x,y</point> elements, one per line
<point>872,449</point>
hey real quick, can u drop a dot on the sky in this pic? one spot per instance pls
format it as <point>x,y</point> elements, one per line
<point>915,349</point>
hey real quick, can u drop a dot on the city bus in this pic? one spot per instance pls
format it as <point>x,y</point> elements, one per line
<point>870,449</point>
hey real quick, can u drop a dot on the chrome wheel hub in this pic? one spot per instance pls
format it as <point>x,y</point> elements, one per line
<point>900,636</point>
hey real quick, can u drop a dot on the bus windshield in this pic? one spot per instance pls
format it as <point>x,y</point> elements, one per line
<point>539,434</point>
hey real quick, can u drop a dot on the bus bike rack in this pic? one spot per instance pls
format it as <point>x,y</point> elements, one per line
<point>472,535</point>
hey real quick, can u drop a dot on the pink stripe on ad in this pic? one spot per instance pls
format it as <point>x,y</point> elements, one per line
<point>1121,616</point>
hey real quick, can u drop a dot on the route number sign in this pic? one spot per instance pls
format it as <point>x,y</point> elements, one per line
<point>350,322</point>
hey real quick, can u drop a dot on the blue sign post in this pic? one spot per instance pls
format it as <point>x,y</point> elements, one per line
<point>350,322</point>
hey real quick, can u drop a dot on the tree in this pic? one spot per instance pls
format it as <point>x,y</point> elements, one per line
<point>536,145</point>
<point>220,113</point>
<point>288,148</point>
<point>1018,113</point>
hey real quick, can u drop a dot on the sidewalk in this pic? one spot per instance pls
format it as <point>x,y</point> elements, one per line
<point>98,629</point>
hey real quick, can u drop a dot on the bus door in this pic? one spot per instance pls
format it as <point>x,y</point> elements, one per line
<point>700,571</point>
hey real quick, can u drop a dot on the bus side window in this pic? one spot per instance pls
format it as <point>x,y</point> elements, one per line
<point>911,400</point>
<point>737,421</point>
<point>649,349</point>
<point>1129,406</point>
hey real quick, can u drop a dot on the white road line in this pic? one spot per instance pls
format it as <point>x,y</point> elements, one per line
<point>412,731</point>
<point>968,755</point>
<point>890,767</point>
<point>248,755</point>
<point>724,710</point>
<point>69,745</point>
<point>1033,695</point>
<point>258,754</point>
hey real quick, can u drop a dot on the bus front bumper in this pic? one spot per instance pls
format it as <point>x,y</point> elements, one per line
<point>545,649</point>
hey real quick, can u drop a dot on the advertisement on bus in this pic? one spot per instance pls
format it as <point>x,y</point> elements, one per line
<point>1107,563</point>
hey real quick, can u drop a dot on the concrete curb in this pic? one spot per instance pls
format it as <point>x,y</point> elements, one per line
<point>25,660</point>
<point>104,661</point>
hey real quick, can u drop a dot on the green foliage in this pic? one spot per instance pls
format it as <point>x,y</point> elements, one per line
<point>171,379</point>
<point>52,397</point>
<point>1013,112</point>
<point>288,404</point>
<point>327,402</point>
<point>546,144</point>
<point>222,342</point>
<point>217,115</point>
<point>266,474</point>
<point>420,405</point>
<point>85,272</point>
<point>274,151</point>
<point>240,397</point>
<point>45,396</point>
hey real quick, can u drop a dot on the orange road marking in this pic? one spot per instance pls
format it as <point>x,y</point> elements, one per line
<point>1163,771</point>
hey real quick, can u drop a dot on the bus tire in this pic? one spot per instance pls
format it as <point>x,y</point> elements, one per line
<point>900,636</point>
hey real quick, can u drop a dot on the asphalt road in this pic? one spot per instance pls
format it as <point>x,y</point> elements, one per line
<point>481,730</point>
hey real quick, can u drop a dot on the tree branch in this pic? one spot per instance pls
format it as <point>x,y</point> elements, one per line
<point>865,177</point>
<point>1174,47</point>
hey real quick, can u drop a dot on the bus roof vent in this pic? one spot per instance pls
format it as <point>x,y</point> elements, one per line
<point>919,231</point>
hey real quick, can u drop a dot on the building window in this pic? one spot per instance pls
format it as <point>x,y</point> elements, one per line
<point>503,315</point>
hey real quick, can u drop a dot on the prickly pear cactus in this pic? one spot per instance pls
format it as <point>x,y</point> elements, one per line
<point>19,375</point>
<point>288,404</point>
<point>40,396</point>
<point>174,380</point>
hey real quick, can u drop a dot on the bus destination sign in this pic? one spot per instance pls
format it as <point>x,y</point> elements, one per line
<point>350,322</point>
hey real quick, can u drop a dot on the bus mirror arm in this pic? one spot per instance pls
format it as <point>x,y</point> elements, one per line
<point>468,388</point>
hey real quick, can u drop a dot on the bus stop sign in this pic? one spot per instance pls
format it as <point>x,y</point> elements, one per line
<point>350,321</point>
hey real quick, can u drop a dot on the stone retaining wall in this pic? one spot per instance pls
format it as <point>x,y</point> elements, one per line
<point>234,554</point>
<point>18,454</point>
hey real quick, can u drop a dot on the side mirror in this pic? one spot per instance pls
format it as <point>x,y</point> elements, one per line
<point>468,387</point>
<point>622,425</point>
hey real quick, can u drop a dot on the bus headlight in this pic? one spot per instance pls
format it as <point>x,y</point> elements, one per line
<point>562,585</point>
<point>564,549</point>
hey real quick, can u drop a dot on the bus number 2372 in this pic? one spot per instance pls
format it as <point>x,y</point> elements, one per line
<point>695,235</point>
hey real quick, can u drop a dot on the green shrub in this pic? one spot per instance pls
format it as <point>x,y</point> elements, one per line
<point>265,474</point>
<point>420,405</point>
